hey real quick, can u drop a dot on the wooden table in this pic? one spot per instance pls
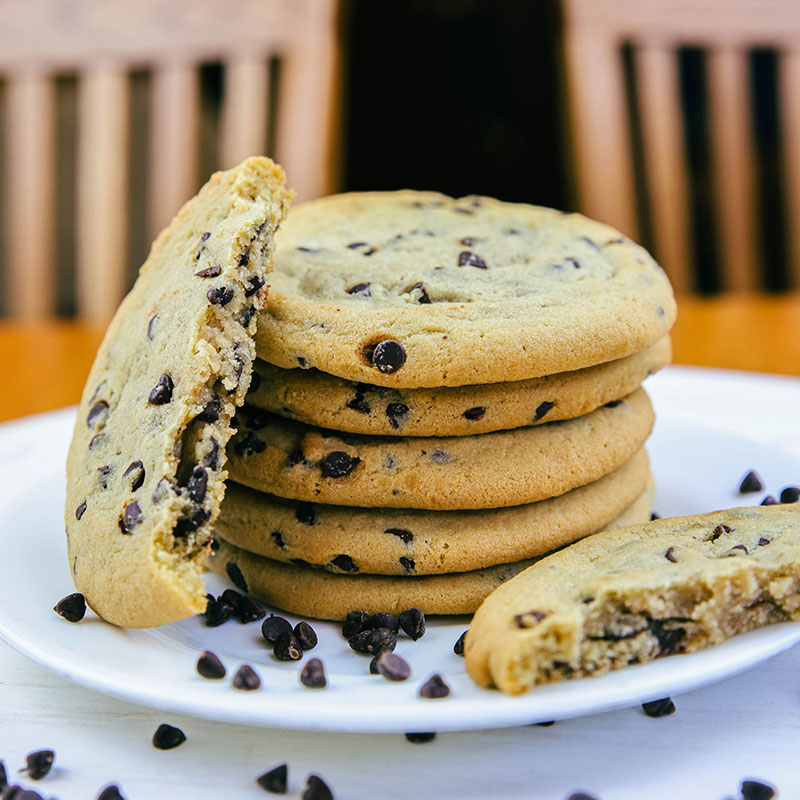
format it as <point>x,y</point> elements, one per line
<point>44,364</point>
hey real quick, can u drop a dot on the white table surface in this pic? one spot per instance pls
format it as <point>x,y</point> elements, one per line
<point>746,726</point>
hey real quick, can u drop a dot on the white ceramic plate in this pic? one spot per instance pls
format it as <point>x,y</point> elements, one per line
<point>712,427</point>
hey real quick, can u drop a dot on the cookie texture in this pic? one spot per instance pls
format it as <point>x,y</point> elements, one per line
<point>324,400</point>
<point>310,592</point>
<point>406,542</point>
<point>492,470</point>
<point>632,595</point>
<point>411,289</point>
<point>146,466</point>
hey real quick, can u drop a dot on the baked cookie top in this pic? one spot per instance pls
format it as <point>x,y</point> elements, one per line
<point>146,466</point>
<point>418,289</point>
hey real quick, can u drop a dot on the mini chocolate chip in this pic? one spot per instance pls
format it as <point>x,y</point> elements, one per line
<point>354,623</point>
<point>151,326</point>
<point>80,509</point>
<point>295,457</point>
<point>111,792</point>
<point>211,458</point>
<point>421,292</point>
<point>359,288</point>
<point>469,241</point>
<point>253,285</point>
<point>670,555</point>
<point>791,494</point>
<point>217,612</point>
<point>542,409</point>
<point>191,523</point>
<point>275,781</point>
<point>305,513</point>
<point>162,391</point>
<point>233,598</point>
<point>529,618</point>
<point>72,607</point>
<point>763,541</point>
<point>249,445</point>
<point>305,635</point>
<point>278,539</point>
<point>434,688</point>
<point>420,738</point>
<point>98,414</point>
<point>97,440</point>
<point>381,620</point>
<point>392,666</point>
<point>209,666</point>
<point>373,641</point>
<point>316,788</point>
<point>407,564</point>
<point>131,517</point>
<point>736,550</point>
<point>396,412</point>
<point>337,464</point>
<point>235,574</point>
<point>197,485</point>
<point>312,675</point>
<point>718,531</point>
<point>287,648</point>
<point>220,295</point>
<point>441,456</point>
<point>401,533</point>
<point>388,356</point>
<point>469,259</point>
<point>574,261</point>
<point>274,626</point>
<point>136,473</point>
<point>167,737</point>
<point>659,708</point>
<point>39,763</point>
<point>247,314</point>
<point>769,500</point>
<point>756,790</point>
<point>246,679</point>
<point>210,412</point>
<point>458,647</point>
<point>209,272</point>
<point>412,621</point>
<point>358,403</point>
<point>751,483</point>
<point>104,471</point>
<point>474,413</point>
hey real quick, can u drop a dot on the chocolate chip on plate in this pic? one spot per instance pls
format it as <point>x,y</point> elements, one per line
<point>305,635</point>
<point>392,666</point>
<point>167,737</point>
<point>756,790</point>
<point>791,494</point>
<point>272,628</point>
<point>458,647</point>
<point>373,641</point>
<point>317,789</point>
<point>209,272</point>
<point>769,500</point>
<point>388,356</point>
<point>354,623</point>
<point>275,780</point>
<point>217,612</point>
<point>39,763</point>
<point>434,688</point>
<point>162,391</point>
<point>751,483</point>
<point>312,675</point>
<point>249,610</point>
<point>670,555</point>
<point>111,792</point>
<point>420,738</point>
<point>412,621</point>
<point>581,796</point>
<point>246,679</point>
<point>659,708</point>
<point>337,464</point>
<point>287,648</point>
<point>72,607</point>
<point>209,666</point>
<point>381,620</point>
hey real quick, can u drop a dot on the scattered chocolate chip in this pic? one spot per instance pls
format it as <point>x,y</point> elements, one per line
<point>209,272</point>
<point>659,708</point>
<point>233,598</point>
<point>72,607</point>
<point>210,412</point>
<point>388,356</point>
<point>3,776</point>
<point>751,483</point>
<point>412,621</point>
<point>756,790</point>
<point>359,288</point>
<point>396,412</point>
<point>401,533</point>
<point>737,550</point>
<point>273,627</point>
<point>581,796</point>
<point>275,781</point>
<point>151,326</point>
<point>253,285</point>
<point>373,641</point>
<point>420,738</point>
<point>217,612</point>
<point>136,473</point>
<point>246,679</point>
<point>209,666</point>
<point>381,620</point>
<point>458,647</point>
<point>546,724</point>
<point>542,409</point>
<point>305,635</point>
<point>80,509</point>
<point>474,413</point>
<point>287,648</point>
<point>316,788</point>
<point>434,688</point>
<point>198,482</point>
<point>529,618</point>
<point>38,763</point>
<point>131,517</point>
<point>162,391</point>
<point>167,737</point>
<point>111,792</point>
<point>354,623</point>
<point>246,610</point>
<point>791,494</point>
<point>98,414</point>
<point>312,675</point>
<point>670,555</point>
<point>249,445</point>
<point>407,564</point>
<point>305,513</point>
<point>344,563</point>
<point>220,295</point>
<point>211,458</point>
<point>769,500</point>
<point>337,464</point>
<point>469,259</point>
<point>763,541</point>
<point>392,666</point>
<point>235,574</point>
<point>358,403</point>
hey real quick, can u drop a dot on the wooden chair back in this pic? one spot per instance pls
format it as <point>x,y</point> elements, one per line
<point>727,30</point>
<point>101,42</point>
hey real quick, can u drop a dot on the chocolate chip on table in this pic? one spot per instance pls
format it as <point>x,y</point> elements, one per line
<point>135,473</point>
<point>381,620</point>
<point>217,612</point>
<point>131,517</point>
<point>98,414</point>
<point>312,676</point>
<point>434,688</point>
<point>751,483</point>
<point>305,635</point>
<point>162,391</point>
<point>337,464</point>
<point>373,641</point>
<point>396,412</point>
<point>474,413</point>
<point>197,485</point>
<point>316,788</point>
<point>420,738</point>
<point>401,533</point>
<point>38,764</point>
<point>235,574</point>
<point>756,790</point>
<point>388,356</point>
<point>168,737</point>
<point>233,598</point>
<point>542,409</point>
<point>791,494</point>
<point>359,288</point>
<point>769,500</point>
<point>72,607</point>
<point>659,708</point>
<point>466,258</point>
<point>458,647</point>
<point>272,627</point>
<point>209,272</point>
<point>275,780</point>
<point>220,295</point>
<point>581,796</point>
<point>287,648</point>
<point>209,666</point>
<point>246,679</point>
<point>392,666</point>
<point>110,793</point>
<point>412,621</point>
<point>354,623</point>
<point>253,285</point>
<point>670,555</point>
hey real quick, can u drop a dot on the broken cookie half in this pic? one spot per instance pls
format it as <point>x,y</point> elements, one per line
<point>146,467</point>
<point>631,595</point>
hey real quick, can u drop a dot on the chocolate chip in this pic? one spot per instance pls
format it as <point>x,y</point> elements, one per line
<point>200,246</point>
<point>373,641</point>
<point>669,639</point>
<point>97,441</point>
<point>388,356</point>
<point>737,550</point>
<point>167,737</point>
<point>469,259</point>
<point>247,314</point>
<point>396,412</point>
<point>249,445</point>
<point>198,482</point>
<point>420,738</point>
<point>659,708</point>
<point>305,635</point>
<point>381,620</point>
<point>769,500</point>
<point>392,666</point>
<point>287,648</point>
<point>791,494</point>
<point>249,610</point>
<point>316,788</point>
<point>529,618</point>
<point>209,666</point>
<point>220,295</point>
<point>441,456</point>
<point>253,285</point>
<point>104,471</point>
<point>244,256</point>
<point>192,522</point>
<point>246,679</point>
<point>312,675</point>
<point>302,363</point>
<point>401,533</point>
<point>469,241</point>
<point>420,291</point>
<point>670,555</point>
<point>111,792</point>
<point>574,262</point>
<point>337,464</point>
<point>39,763</point>
<point>151,326</point>
<point>217,612</point>
<point>209,272</point>
<point>763,541</point>
<point>305,513</point>
<point>131,517</point>
<point>718,531</point>
<point>136,473</point>
<point>210,412</point>
<point>98,414</point>
<point>407,564</point>
<point>354,623</point>
<point>412,621</point>
<point>359,288</point>
<point>474,413</point>
<point>756,790</point>
<point>162,391</point>
<point>211,458</point>
<point>458,647</point>
<point>233,598</point>
<point>654,516</point>
<point>80,509</point>
<point>358,403</point>
<point>255,381</point>
<point>235,574</point>
<point>751,483</point>
<point>3,776</point>
<point>278,539</point>
<point>275,781</point>
<point>365,248</point>
<point>295,457</point>
<point>72,607</point>
<point>547,724</point>
<point>434,688</point>
<point>273,627</point>
<point>542,409</point>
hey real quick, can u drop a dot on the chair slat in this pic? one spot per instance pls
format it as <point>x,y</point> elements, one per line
<point>733,160</point>
<point>103,115</point>
<point>173,170</point>
<point>31,191</point>
<point>244,109</point>
<point>665,159</point>
<point>790,106</point>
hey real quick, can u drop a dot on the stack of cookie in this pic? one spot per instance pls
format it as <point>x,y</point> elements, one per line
<point>448,389</point>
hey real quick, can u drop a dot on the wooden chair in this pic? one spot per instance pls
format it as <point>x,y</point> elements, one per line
<point>102,42</point>
<point>595,32</point>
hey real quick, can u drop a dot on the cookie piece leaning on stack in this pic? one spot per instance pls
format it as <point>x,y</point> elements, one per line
<point>448,388</point>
